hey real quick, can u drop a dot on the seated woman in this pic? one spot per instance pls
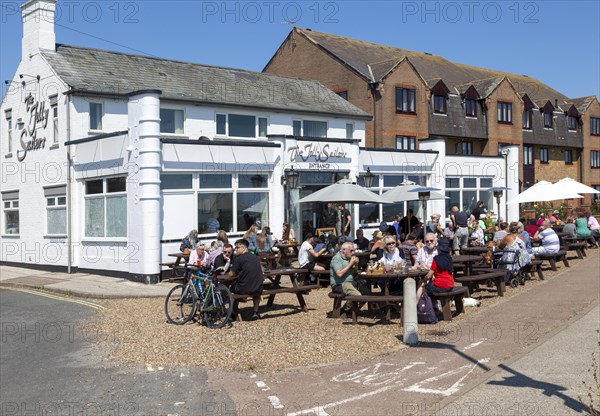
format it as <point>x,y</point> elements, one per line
<point>199,256</point>
<point>377,245</point>
<point>189,242</point>
<point>250,236</point>
<point>514,243</point>
<point>583,231</point>
<point>391,259</point>
<point>569,228</point>
<point>391,256</point>
<point>477,235</point>
<point>440,277</point>
<point>264,242</point>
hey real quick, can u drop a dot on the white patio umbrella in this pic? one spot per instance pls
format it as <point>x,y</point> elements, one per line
<point>577,187</point>
<point>405,192</point>
<point>344,191</point>
<point>544,191</point>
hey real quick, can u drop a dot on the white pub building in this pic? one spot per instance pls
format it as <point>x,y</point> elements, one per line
<point>110,159</point>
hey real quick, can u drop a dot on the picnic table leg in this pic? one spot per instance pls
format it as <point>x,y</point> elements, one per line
<point>271,300</point>
<point>500,285</point>
<point>446,311</point>
<point>354,312</point>
<point>552,264</point>
<point>337,308</point>
<point>579,254</point>
<point>302,302</point>
<point>458,301</point>
<point>565,261</point>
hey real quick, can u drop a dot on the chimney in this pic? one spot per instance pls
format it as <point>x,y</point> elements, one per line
<point>38,27</point>
<point>555,103</point>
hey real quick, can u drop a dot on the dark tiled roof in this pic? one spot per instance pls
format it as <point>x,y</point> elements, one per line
<point>358,54</point>
<point>582,103</point>
<point>455,124</point>
<point>99,71</point>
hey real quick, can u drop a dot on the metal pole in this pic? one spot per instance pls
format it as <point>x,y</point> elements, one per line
<point>409,313</point>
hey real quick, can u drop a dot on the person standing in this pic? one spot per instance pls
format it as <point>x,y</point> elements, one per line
<point>479,209</point>
<point>341,273</point>
<point>246,266</point>
<point>345,220</point>
<point>461,229</point>
<point>329,217</point>
<point>408,222</point>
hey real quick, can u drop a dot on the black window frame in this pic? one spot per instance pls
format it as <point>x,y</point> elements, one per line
<point>439,104</point>
<point>466,148</point>
<point>544,155</point>
<point>571,123</point>
<point>568,155</point>
<point>594,126</point>
<point>595,159</point>
<point>505,112</point>
<point>548,122</point>
<point>470,107</point>
<point>411,142</point>
<point>403,95</point>
<point>527,155</point>
<point>527,119</point>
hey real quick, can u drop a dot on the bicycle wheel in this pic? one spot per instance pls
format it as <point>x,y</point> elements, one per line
<point>180,304</point>
<point>217,307</point>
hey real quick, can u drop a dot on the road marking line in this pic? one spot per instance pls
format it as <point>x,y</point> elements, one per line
<point>275,402</point>
<point>262,385</point>
<point>56,297</point>
<point>473,345</point>
<point>417,387</point>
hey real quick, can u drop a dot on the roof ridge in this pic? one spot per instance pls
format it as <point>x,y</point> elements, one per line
<point>156,58</point>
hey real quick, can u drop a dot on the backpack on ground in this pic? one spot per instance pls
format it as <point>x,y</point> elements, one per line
<point>425,311</point>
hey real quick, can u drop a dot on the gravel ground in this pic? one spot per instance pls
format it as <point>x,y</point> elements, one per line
<point>135,332</point>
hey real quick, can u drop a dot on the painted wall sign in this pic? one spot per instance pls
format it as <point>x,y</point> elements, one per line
<point>38,117</point>
<point>318,154</point>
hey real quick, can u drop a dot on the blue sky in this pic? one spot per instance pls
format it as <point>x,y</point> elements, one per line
<point>557,42</point>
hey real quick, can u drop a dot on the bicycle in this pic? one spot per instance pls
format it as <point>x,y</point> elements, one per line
<point>203,293</point>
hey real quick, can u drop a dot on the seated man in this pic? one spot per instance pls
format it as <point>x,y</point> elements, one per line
<point>550,243</point>
<point>307,256</point>
<point>246,266</point>
<point>428,251</point>
<point>501,233</point>
<point>341,273</point>
<point>223,260</point>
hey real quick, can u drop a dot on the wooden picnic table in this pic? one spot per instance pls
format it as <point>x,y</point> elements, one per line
<point>385,297</point>
<point>476,250</point>
<point>468,261</point>
<point>288,250</point>
<point>176,266</point>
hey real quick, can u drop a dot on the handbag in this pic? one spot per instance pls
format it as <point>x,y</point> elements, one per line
<point>425,311</point>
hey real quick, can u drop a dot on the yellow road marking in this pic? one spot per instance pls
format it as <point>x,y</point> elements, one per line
<point>56,297</point>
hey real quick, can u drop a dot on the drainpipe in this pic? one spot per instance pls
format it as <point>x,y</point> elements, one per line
<point>69,198</point>
<point>374,86</point>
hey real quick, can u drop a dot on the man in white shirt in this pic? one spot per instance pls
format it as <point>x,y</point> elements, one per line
<point>427,252</point>
<point>307,256</point>
<point>548,238</point>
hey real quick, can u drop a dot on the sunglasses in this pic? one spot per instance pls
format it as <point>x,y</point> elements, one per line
<point>227,252</point>
<point>429,241</point>
<point>390,244</point>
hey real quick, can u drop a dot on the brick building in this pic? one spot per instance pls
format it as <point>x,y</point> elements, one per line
<point>415,96</point>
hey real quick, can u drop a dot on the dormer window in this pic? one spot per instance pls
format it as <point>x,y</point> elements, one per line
<point>470,107</point>
<point>440,97</point>
<point>528,107</point>
<point>572,123</point>
<point>548,114</point>
<point>439,104</point>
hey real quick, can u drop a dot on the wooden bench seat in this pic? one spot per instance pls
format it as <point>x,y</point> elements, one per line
<point>553,258</point>
<point>387,302</point>
<point>496,275</point>
<point>534,267</point>
<point>578,247</point>
<point>457,294</point>
<point>299,291</point>
<point>337,304</point>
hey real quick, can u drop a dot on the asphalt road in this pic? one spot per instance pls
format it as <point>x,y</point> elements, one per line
<point>49,367</point>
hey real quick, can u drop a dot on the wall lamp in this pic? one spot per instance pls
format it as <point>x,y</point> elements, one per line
<point>290,178</point>
<point>368,177</point>
<point>30,76</point>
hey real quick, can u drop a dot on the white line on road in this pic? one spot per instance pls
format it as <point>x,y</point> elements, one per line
<point>275,402</point>
<point>473,345</point>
